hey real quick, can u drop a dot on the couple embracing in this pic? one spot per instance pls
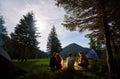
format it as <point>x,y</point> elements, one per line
<point>56,62</point>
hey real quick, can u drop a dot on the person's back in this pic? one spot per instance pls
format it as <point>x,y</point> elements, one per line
<point>52,63</point>
<point>58,62</point>
<point>70,62</point>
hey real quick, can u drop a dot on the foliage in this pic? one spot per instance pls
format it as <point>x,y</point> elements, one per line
<point>24,37</point>
<point>2,29</point>
<point>4,38</point>
<point>41,54</point>
<point>53,43</point>
<point>81,14</point>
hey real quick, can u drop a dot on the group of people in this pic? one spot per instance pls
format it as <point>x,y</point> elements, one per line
<point>56,61</point>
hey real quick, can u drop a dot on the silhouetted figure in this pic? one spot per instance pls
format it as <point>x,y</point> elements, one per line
<point>58,62</point>
<point>70,62</point>
<point>83,61</point>
<point>52,63</point>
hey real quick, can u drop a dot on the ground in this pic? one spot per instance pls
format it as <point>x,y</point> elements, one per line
<point>39,69</point>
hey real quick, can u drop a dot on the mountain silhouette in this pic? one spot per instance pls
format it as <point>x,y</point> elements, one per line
<point>73,49</point>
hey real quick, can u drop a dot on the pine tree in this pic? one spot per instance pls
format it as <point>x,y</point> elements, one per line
<point>53,43</point>
<point>4,38</point>
<point>24,37</point>
<point>1,30</point>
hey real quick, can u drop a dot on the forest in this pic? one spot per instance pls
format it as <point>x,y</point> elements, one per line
<point>101,17</point>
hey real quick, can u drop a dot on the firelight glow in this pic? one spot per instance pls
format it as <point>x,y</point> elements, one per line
<point>76,67</point>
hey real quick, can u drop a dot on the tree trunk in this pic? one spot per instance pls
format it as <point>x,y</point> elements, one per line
<point>109,53</point>
<point>108,47</point>
<point>26,53</point>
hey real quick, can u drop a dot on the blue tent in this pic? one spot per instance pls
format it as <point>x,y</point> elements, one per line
<point>91,54</point>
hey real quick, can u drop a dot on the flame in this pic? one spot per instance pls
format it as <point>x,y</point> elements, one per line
<point>76,67</point>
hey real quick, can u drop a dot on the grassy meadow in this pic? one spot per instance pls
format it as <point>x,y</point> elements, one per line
<point>39,69</point>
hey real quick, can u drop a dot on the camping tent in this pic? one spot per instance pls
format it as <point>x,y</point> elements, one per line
<point>8,70</point>
<point>92,54</point>
<point>5,54</point>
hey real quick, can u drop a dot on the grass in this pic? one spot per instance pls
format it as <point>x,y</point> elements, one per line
<point>33,64</point>
<point>39,69</point>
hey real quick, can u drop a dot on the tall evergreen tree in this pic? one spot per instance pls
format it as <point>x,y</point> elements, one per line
<point>53,43</point>
<point>24,37</point>
<point>2,30</point>
<point>4,38</point>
